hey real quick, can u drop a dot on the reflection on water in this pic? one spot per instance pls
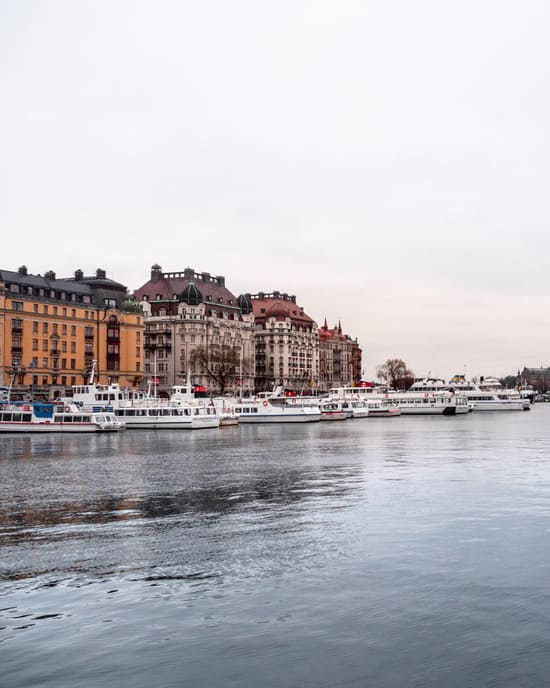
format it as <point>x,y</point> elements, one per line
<point>372,552</point>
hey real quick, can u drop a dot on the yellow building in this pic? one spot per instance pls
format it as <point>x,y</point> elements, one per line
<point>52,329</point>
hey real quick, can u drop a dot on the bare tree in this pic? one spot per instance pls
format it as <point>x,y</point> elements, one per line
<point>219,363</point>
<point>396,373</point>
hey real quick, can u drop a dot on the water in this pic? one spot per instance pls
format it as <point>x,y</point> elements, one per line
<point>375,552</point>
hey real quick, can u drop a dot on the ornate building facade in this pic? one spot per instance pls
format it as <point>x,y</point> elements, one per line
<point>339,358</point>
<point>191,321</point>
<point>51,329</point>
<point>287,342</point>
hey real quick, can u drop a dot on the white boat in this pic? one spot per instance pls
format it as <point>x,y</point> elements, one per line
<point>261,410</point>
<point>356,408</point>
<point>379,408</point>
<point>489,395</point>
<point>140,410</point>
<point>333,410</point>
<point>55,417</point>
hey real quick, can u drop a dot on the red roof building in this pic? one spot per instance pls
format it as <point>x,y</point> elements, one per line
<point>287,343</point>
<point>339,358</point>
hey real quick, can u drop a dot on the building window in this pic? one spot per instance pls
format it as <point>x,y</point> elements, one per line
<point>73,347</point>
<point>44,379</point>
<point>55,310</point>
<point>63,329</point>
<point>35,307</point>
<point>35,344</point>
<point>73,363</point>
<point>64,312</point>
<point>44,345</point>
<point>17,305</point>
<point>63,346</point>
<point>73,330</point>
<point>44,363</point>
<point>45,310</point>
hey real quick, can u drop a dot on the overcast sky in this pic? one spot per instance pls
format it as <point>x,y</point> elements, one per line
<point>387,162</point>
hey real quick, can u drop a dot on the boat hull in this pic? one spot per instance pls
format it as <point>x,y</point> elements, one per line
<point>280,418</point>
<point>66,428</point>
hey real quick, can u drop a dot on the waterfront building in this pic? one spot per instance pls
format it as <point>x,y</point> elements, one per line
<point>51,329</point>
<point>339,358</point>
<point>287,342</point>
<point>195,326</point>
<point>538,378</point>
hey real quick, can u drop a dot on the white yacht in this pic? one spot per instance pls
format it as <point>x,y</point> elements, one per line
<point>48,417</point>
<point>380,408</point>
<point>141,410</point>
<point>333,409</point>
<point>356,408</point>
<point>489,395</point>
<point>262,410</point>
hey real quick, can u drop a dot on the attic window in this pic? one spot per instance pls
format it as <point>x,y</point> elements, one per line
<point>262,310</point>
<point>158,297</point>
<point>209,298</point>
<point>220,300</point>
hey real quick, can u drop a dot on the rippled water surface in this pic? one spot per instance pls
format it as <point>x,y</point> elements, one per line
<point>375,552</point>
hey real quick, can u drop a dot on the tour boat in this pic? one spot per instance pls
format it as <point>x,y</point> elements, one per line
<point>356,408</point>
<point>261,410</point>
<point>55,417</point>
<point>378,408</point>
<point>489,395</point>
<point>140,410</point>
<point>333,410</point>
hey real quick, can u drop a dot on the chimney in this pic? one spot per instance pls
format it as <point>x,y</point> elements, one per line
<point>205,276</point>
<point>100,274</point>
<point>189,273</point>
<point>50,275</point>
<point>78,275</point>
<point>156,273</point>
<point>22,270</point>
<point>220,280</point>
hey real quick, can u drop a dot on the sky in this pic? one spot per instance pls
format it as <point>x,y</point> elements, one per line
<point>386,162</point>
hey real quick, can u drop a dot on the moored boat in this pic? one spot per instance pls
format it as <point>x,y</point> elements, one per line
<point>333,410</point>
<point>55,417</point>
<point>261,410</point>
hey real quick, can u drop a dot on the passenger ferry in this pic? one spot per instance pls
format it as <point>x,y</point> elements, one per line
<point>380,408</point>
<point>262,410</point>
<point>424,397</point>
<point>140,410</point>
<point>334,410</point>
<point>489,395</point>
<point>30,417</point>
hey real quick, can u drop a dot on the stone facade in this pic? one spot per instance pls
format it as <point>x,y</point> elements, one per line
<point>287,343</point>
<point>189,316</point>
<point>339,358</point>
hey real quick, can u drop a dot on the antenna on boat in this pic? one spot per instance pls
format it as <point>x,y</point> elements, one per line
<point>92,373</point>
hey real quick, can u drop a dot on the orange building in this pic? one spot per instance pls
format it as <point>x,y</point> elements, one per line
<point>52,329</point>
